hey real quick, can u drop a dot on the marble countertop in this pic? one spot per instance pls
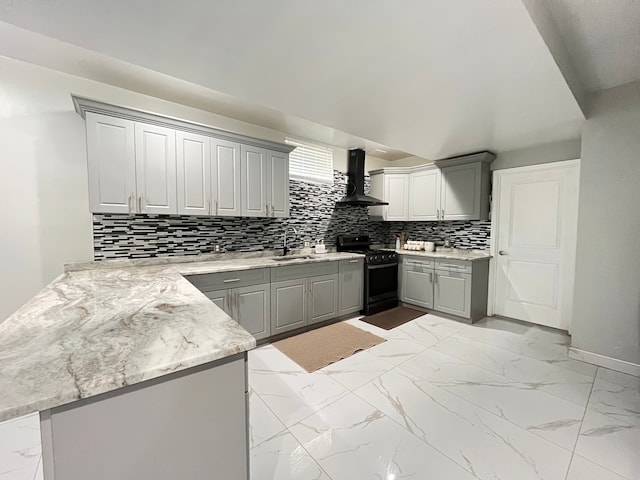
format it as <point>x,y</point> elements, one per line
<point>449,254</point>
<point>104,325</point>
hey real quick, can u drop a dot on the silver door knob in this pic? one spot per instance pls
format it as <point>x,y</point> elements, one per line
<point>502,252</point>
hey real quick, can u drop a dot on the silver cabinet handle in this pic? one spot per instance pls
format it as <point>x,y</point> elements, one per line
<point>431,277</point>
<point>231,280</point>
<point>216,204</point>
<point>437,213</point>
<point>446,265</point>
<point>140,204</point>
<point>235,301</point>
<point>502,252</point>
<point>443,214</point>
<point>227,299</point>
<point>273,211</point>
<point>435,278</point>
<point>354,261</point>
<point>129,202</point>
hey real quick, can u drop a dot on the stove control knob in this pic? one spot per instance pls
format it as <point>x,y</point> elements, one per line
<point>374,258</point>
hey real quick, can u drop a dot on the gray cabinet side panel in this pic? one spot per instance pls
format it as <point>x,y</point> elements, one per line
<point>183,427</point>
<point>479,289</point>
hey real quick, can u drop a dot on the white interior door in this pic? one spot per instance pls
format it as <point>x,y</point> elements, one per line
<point>535,238</point>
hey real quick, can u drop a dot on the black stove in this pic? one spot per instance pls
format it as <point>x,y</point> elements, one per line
<point>380,273</point>
<point>362,244</point>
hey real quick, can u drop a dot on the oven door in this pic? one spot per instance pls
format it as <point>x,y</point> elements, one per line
<point>381,282</point>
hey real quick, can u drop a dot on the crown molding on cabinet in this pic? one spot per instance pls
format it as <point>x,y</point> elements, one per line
<point>83,105</point>
<point>484,157</point>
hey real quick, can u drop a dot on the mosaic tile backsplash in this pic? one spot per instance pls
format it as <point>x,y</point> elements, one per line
<point>313,213</point>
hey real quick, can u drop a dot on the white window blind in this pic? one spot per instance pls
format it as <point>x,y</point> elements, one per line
<point>310,163</point>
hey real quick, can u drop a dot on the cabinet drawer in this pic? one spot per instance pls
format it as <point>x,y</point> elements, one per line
<point>209,282</point>
<point>454,265</point>
<point>351,264</point>
<point>292,272</point>
<point>422,262</point>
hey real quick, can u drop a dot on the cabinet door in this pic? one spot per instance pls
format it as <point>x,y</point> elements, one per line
<point>288,305</point>
<point>193,172</point>
<point>156,169</point>
<point>278,184</point>
<point>376,190</point>
<point>323,302</point>
<point>461,192</point>
<point>351,286</point>
<point>417,285</point>
<point>396,189</point>
<point>225,178</point>
<point>222,298</point>
<point>254,181</point>
<point>251,309</point>
<point>111,164</point>
<point>452,293</point>
<point>424,195</point>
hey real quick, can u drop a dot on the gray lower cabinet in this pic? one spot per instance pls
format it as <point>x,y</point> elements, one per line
<point>249,306</point>
<point>417,285</point>
<point>456,287</point>
<point>221,299</point>
<point>323,298</point>
<point>289,308</point>
<point>350,295</point>
<point>252,309</point>
<point>452,293</point>
<point>271,301</point>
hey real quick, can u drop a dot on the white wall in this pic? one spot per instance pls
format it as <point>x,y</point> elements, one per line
<point>545,153</point>
<point>45,220</point>
<point>607,290</point>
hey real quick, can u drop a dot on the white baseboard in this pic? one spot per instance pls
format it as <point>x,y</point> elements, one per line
<point>606,362</point>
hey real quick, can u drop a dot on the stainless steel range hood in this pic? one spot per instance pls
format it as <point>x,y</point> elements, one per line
<point>355,187</point>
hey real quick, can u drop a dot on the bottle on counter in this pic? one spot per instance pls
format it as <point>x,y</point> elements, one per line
<point>321,247</point>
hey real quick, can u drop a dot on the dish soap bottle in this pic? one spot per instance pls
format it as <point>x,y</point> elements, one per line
<point>321,247</point>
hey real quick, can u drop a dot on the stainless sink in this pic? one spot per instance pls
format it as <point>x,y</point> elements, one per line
<point>289,258</point>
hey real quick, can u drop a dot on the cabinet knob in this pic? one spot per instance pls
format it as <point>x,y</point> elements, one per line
<point>502,252</point>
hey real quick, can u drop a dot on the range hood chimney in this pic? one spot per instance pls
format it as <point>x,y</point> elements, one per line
<point>355,187</point>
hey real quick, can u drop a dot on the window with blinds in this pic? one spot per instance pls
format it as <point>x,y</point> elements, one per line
<point>310,162</point>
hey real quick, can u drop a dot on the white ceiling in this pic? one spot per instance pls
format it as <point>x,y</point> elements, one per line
<point>603,39</point>
<point>427,77</point>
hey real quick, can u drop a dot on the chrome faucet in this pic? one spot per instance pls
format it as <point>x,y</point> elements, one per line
<point>285,249</point>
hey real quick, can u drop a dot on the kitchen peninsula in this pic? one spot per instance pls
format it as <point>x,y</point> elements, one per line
<point>135,372</point>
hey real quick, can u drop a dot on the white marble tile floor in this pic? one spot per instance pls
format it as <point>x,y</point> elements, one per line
<point>439,399</point>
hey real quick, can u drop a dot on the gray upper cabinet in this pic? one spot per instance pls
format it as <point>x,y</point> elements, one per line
<point>393,188</point>
<point>156,169</point>
<point>144,163</point>
<point>226,181</point>
<point>111,164</point>
<point>351,286</point>
<point>452,293</point>
<point>461,189</point>
<point>277,184</point>
<point>289,307</point>
<point>252,309</point>
<point>193,162</point>
<point>424,195</point>
<point>417,284</point>
<point>254,181</point>
<point>323,301</point>
<point>451,189</point>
